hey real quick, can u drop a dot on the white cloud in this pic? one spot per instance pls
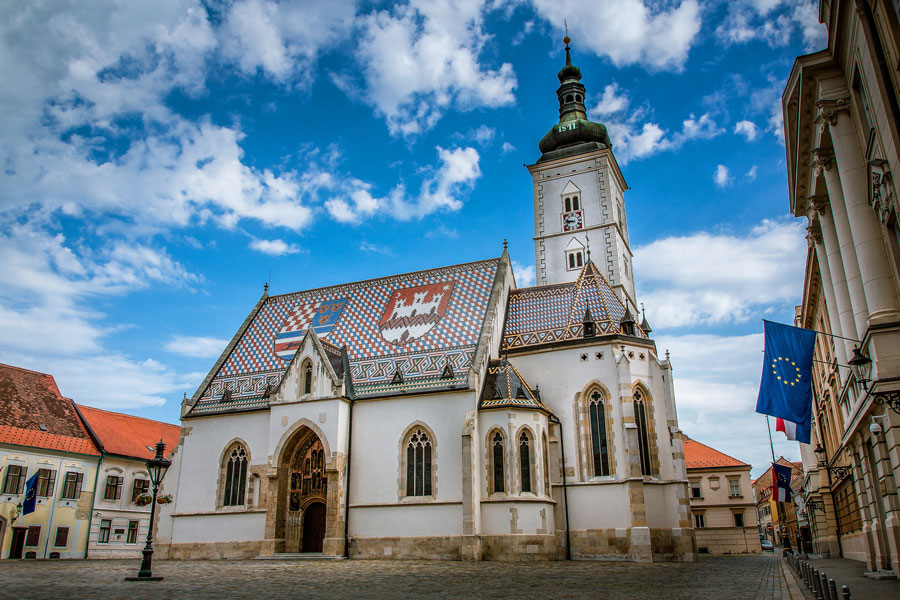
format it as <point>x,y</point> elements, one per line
<point>655,36</point>
<point>525,274</point>
<point>507,148</point>
<point>751,174</point>
<point>196,346</point>
<point>722,177</point>
<point>283,40</point>
<point>773,21</point>
<point>422,58</point>
<point>274,247</point>
<point>746,129</point>
<point>716,383</point>
<point>710,279</point>
<point>611,102</point>
<point>375,248</point>
<point>442,232</point>
<point>703,128</point>
<point>484,135</point>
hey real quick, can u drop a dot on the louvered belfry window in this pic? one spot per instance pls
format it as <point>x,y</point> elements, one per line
<point>418,464</point>
<point>235,477</point>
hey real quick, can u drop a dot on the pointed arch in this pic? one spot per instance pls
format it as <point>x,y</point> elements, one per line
<point>306,374</point>
<point>495,459</point>
<point>525,452</point>
<point>648,451</point>
<point>545,462</point>
<point>418,462</point>
<point>234,465</point>
<point>594,429</point>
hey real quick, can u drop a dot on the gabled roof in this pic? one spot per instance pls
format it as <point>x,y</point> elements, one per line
<point>127,435</point>
<point>701,456</point>
<point>504,387</point>
<point>33,413</point>
<point>553,313</point>
<point>417,323</point>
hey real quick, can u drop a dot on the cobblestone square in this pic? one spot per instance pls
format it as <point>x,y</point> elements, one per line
<point>746,577</point>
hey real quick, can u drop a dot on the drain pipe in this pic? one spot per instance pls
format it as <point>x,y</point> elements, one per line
<point>562,451</point>
<point>348,385</point>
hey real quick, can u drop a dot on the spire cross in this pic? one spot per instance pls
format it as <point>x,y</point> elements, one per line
<point>588,240</point>
<point>504,243</point>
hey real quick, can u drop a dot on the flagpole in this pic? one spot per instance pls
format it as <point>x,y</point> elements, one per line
<point>774,478</point>
<point>821,332</point>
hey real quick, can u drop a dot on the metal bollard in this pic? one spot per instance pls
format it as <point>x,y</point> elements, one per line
<point>845,592</point>
<point>832,590</point>
<point>817,585</point>
<point>803,573</point>
<point>823,585</point>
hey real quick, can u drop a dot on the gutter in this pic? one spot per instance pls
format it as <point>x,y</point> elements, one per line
<point>103,453</point>
<point>562,449</point>
<point>351,396</point>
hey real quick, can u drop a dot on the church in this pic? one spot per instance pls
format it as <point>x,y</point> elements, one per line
<point>447,413</point>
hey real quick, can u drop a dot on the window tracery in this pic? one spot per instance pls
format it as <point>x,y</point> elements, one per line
<point>599,442</point>
<point>497,456</point>
<point>419,464</point>
<point>235,476</point>
<point>525,462</point>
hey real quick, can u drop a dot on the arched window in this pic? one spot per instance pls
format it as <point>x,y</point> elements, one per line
<point>235,476</point>
<point>569,98</point>
<point>574,202</point>
<point>640,419</point>
<point>599,444</point>
<point>525,461</point>
<point>497,463</point>
<point>418,464</point>
<point>568,204</point>
<point>307,377</point>
<point>578,258</point>
<point>572,261</point>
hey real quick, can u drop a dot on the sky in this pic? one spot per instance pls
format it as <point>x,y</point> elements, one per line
<point>162,161</point>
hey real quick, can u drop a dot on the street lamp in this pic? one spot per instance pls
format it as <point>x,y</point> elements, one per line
<point>862,369</point>
<point>156,467</point>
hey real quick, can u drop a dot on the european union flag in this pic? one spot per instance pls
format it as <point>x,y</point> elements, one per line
<point>30,495</point>
<point>786,387</point>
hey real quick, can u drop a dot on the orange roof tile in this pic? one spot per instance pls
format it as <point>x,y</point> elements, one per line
<point>33,413</point>
<point>128,435</point>
<point>701,456</point>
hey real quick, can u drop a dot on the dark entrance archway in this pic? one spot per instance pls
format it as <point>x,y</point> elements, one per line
<point>18,542</point>
<point>313,527</point>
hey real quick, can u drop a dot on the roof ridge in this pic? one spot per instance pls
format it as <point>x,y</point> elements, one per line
<point>113,412</point>
<point>374,279</point>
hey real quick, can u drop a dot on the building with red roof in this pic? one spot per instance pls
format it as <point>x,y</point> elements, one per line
<point>722,507</point>
<point>43,438</point>
<point>121,518</point>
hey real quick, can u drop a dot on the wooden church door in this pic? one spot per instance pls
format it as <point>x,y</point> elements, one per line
<point>313,527</point>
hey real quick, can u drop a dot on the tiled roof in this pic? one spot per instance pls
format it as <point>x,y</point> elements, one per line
<point>701,456</point>
<point>128,435</point>
<point>416,322</point>
<point>33,413</point>
<point>553,313</point>
<point>504,387</point>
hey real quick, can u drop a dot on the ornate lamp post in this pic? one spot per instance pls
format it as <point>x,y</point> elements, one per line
<point>862,369</point>
<point>156,467</point>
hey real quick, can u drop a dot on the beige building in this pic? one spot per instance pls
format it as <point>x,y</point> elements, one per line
<point>842,127</point>
<point>722,507</point>
<point>41,434</point>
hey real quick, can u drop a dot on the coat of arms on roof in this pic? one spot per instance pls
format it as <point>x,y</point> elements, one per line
<point>412,312</point>
<point>321,315</point>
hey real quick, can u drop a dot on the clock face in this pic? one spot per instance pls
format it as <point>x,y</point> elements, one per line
<point>572,221</point>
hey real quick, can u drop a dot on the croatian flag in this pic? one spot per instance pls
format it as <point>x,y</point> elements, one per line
<point>789,428</point>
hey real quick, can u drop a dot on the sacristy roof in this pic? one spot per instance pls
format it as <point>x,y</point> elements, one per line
<point>33,413</point>
<point>504,387</point>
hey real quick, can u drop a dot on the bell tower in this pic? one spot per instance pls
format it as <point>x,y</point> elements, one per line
<point>579,196</point>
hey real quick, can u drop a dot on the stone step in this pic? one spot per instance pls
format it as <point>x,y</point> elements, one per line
<point>299,556</point>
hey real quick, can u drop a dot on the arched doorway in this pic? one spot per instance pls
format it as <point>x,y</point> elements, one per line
<point>308,489</point>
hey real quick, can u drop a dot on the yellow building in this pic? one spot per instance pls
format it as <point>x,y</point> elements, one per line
<point>722,507</point>
<point>40,433</point>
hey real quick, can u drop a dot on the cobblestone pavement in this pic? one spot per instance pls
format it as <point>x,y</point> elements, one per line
<point>746,577</point>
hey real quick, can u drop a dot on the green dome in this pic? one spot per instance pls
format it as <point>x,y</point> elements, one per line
<point>574,132</point>
<point>569,71</point>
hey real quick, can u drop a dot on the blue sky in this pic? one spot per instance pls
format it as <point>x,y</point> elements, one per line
<point>162,161</point>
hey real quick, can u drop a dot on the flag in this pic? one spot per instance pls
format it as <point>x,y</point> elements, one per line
<point>788,428</point>
<point>785,390</point>
<point>781,483</point>
<point>30,495</point>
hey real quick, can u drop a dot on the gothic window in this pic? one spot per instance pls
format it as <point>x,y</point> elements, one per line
<point>568,204</point>
<point>419,464</point>
<point>307,377</point>
<point>599,443</point>
<point>497,454</point>
<point>640,419</point>
<point>546,456</point>
<point>574,260</point>
<point>525,462</point>
<point>235,476</point>
<point>575,203</point>
<point>578,258</point>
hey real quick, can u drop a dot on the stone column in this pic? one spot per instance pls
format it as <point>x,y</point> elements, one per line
<point>864,225</point>
<point>844,250</point>
<point>816,239</point>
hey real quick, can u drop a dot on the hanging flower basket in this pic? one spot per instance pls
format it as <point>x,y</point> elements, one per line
<point>164,499</point>
<point>143,500</point>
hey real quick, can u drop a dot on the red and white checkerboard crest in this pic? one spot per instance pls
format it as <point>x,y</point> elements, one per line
<point>413,312</point>
<point>292,330</point>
